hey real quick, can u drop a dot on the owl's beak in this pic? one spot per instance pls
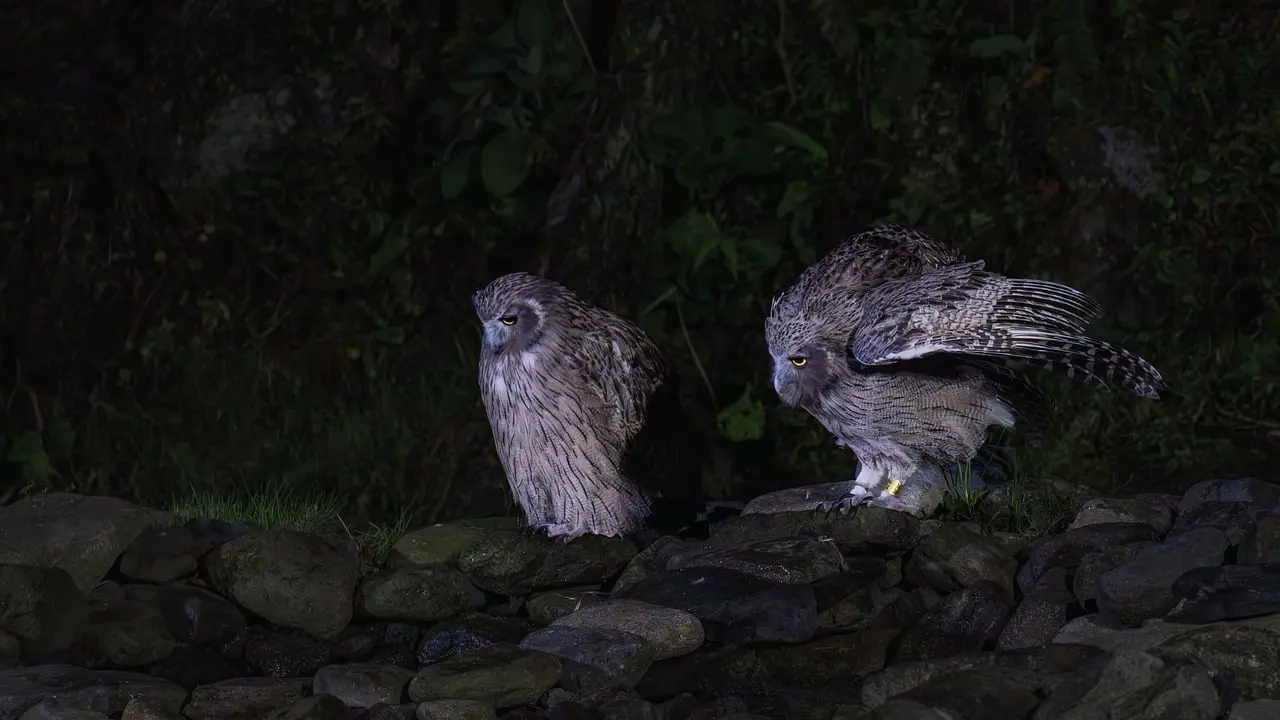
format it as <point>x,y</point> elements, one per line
<point>787,385</point>
<point>494,336</point>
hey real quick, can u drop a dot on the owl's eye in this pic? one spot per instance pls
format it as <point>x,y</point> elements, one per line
<point>508,319</point>
<point>799,360</point>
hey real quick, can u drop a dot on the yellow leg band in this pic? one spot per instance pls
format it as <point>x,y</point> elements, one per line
<point>894,487</point>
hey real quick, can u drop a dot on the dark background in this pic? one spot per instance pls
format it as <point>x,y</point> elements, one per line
<point>240,236</point>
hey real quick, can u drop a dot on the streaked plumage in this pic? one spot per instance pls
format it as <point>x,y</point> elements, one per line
<point>582,408</point>
<point>910,356</point>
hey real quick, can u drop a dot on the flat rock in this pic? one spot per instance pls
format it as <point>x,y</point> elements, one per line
<point>245,698</point>
<point>513,563</point>
<point>1263,494</point>
<point>363,685</point>
<point>500,673</point>
<point>593,659</point>
<point>1210,594</point>
<point>869,529</point>
<point>546,607</point>
<point>103,691</point>
<point>1152,512</point>
<point>418,594</point>
<point>1040,615</point>
<point>1094,630</point>
<point>444,543</point>
<point>456,710</point>
<point>670,632</point>
<point>84,535</point>
<point>305,582</point>
<point>1140,588</point>
<point>787,560</point>
<point>733,606</point>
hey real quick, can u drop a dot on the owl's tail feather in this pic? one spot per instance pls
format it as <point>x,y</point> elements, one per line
<point>1094,362</point>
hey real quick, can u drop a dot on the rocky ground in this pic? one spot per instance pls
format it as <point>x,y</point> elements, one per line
<point>1147,607</point>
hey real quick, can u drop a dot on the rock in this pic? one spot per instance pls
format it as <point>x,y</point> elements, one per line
<point>192,614</point>
<point>1255,710</point>
<point>144,709</point>
<point>1066,550</point>
<point>965,621</point>
<point>10,652</point>
<point>1040,668</point>
<point>1140,588</point>
<point>788,560</point>
<point>593,659</point>
<point>1040,615</point>
<point>733,606</point>
<point>318,707</point>
<point>1151,512</point>
<point>1264,495</point>
<point>102,691</point>
<point>80,534</point>
<point>1262,545</point>
<point>286,655</point>
<point>1093,565</point>
<point>298,581</point>
<point>419,594</point>
<point>870,529</point>
<point>545,608</point>
<point>1094,630</point>
<point>456,710</point>
<point>444,543</point>
<point>1133,684</point>
<point>500,673</point>
<point>952,557</point>
<point>1210,594</point>
<point>670,632</point>
<point>192,666</point>
<point>49,710</point>
<point>123,630</point>
<point>363,685</point>
<point>1236,520</point>
<point>245,698</point>
<point>978,694</point>
<point>160,555</point>
<point>828,661</point>
<point>42,607</point>
<point>1247,654</point>
<point>511,562</point>
<point>651,560</point>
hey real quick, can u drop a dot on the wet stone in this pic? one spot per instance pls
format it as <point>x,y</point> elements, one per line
<point>286,655</point>
<point>500,673</point>
<point>547,607</point>
<point>363,685</point>
<point>245,698</point>
<point>733,606</point>
<point>1066,550</point>
<point>418,594</point>
<point>668,631</point>
<point>103,691</point>
<point>513,563</point>
<point>1140,588</point>
<point>593,659</point>
<point>788,560</point>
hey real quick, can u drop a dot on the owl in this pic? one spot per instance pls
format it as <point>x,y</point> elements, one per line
<point>910,356</point>
<point>584,410</point>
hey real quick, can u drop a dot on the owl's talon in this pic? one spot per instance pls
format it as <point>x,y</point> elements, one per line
<point>857,496</point>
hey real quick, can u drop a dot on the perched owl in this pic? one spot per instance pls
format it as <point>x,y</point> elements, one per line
<point>909,356</point>
<point>584,410</point>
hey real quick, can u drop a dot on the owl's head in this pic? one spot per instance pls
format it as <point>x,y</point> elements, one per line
<point>805,359</point>
<point>514,310</point>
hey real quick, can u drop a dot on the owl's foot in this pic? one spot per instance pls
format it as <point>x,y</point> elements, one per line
<point>563,532</point>
<point>858,495</point>
<point>891,502</point>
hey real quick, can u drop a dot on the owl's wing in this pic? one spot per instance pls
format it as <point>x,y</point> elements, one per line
<point>861,262</point>
<point>621,368</point>
<point>965,310</point>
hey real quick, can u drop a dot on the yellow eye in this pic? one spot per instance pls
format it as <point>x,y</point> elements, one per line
<point>799,360</point>
<point>508,319</point>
